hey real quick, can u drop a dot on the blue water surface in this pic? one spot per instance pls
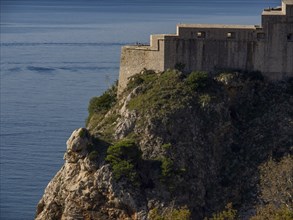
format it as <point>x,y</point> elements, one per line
<point>55,56</point>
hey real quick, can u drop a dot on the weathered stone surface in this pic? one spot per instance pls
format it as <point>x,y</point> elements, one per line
<point>80,190</point>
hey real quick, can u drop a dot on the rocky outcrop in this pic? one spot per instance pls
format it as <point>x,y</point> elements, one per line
<point>200,142</point>
<point>84,189</point>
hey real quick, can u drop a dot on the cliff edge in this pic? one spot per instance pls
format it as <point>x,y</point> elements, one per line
<point>180,146</point>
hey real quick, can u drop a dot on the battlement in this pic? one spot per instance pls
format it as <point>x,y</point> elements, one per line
<point>206,47</point>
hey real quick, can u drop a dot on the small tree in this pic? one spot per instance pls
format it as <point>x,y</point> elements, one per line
<point>124,156</point>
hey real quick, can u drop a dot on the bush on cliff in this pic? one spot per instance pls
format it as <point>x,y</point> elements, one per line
<point>227,214</point>
<point>276,190</point>
<point>170,214</point>
<point>167,167</point>
<point>124,157</point>
<point>99,105</point>
<point>197,80</point>
<point>272,212</point>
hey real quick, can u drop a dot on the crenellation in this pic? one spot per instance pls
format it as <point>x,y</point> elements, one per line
<point>267,48</point>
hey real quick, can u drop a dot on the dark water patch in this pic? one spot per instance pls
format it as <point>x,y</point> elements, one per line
<point>40,69</point>
<point>15,69</point>
<point>77,68</point>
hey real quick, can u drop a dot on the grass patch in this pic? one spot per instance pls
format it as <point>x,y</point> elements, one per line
<point>144,78</point>
<point>161,93</point>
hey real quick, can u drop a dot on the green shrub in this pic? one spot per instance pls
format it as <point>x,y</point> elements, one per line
<point>98,106</point>
<point>276,182</point>
<point>126,169</point>
<point>197,80</point>
<point>276,190</point>
<point>204,99</point>
<point>124,157</point>
<point>166,146</point>
<point>103,102</point>
<point>167,167</point>
<point>227,214</point>
<point>180,214</point>
<point>123,150</point>
<point>170,214</point>
<point>271,212</point>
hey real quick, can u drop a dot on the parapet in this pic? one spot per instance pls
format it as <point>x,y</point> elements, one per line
<point>286,9</point>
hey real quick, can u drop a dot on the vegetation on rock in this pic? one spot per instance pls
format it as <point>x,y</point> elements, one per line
<point>227,214</point>
<point>197,140</point>
<point>99,106</point>
<point>170,214</point>
<point>276,190</point>
<point>124,157</point>
<point>197,80</point>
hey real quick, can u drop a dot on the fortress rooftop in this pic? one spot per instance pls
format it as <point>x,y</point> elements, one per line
<point>228,26</point>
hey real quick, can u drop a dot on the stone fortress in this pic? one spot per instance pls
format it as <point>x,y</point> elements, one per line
<point>267,48</point>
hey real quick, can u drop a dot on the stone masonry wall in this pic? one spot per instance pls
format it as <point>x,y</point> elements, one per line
<point>135,58</point>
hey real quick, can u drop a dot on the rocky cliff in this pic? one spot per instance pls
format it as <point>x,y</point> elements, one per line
<point>180,146</point>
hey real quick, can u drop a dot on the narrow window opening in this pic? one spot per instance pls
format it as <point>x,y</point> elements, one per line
<point>290,37</point>
<point>201,34</point>
<point>231,35</point>
<point>261,35</point>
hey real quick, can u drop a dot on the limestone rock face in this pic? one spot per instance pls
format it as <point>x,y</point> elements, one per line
<point>199,145</point>
<point>83,189</point>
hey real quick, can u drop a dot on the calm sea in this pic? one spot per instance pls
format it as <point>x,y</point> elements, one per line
<point>55,56</point>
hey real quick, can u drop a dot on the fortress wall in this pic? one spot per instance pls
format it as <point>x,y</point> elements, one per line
<point>289,68</point>
<point>278,48</point>
<point>289,28</point>
<point>259,54</point>
<point>218,32</point>
<point>215,50</point>
<point>135,58</point>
